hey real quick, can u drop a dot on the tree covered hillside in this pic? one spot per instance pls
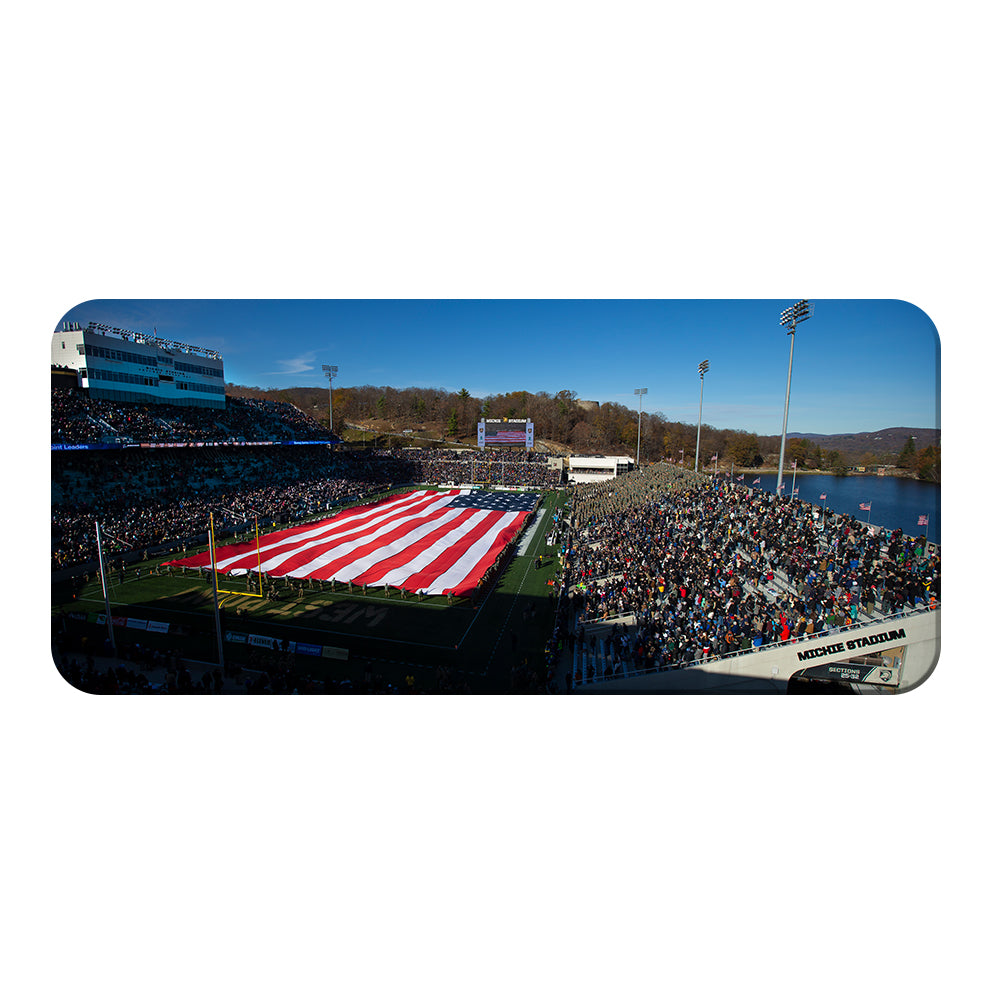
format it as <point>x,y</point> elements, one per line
<point>568,424</point>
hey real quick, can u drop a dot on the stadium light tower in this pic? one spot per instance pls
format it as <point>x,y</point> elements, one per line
<point>702,368</point>
<point>638,437</point>
<point>330,371</point>
<point>790,317</point>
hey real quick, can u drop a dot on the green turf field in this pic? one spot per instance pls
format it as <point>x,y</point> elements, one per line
<point>510,624</point>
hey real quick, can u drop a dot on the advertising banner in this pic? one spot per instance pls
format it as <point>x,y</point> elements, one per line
<point>264,640</point>
<point>119,445</point>
<point>83,447</point>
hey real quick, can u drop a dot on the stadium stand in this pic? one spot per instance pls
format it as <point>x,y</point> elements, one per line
<point>674,571</point>
<point>163,496</point>
<point>78,419</point>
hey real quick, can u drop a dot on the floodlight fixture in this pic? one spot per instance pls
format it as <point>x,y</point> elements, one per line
<point>789,318</point>
<point>702,368</point>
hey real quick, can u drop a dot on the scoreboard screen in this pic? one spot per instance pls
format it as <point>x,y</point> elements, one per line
<point>506,433</point>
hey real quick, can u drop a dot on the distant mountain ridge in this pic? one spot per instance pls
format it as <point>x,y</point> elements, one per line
<point>887,440</point>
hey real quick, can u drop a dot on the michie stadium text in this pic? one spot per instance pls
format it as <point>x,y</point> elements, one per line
<point>841,647</point>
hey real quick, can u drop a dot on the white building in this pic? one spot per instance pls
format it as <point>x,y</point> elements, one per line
<point>131,367</point>
<point>597,468</point>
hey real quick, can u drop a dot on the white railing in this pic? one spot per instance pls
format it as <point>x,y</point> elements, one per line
<point>700,661</point>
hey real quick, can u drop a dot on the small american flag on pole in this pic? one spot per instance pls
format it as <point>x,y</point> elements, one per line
<point>740,477</point>
<point>922,519</point>
<point>822,496</point>
<point>865,506</point>
<point>756,481</point>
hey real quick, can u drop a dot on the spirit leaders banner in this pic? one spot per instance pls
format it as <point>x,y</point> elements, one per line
<point>424,541</point>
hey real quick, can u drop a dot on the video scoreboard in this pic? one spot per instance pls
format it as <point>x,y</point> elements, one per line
<point>507,433</point>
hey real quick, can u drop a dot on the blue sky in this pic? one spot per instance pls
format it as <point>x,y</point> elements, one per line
<point>859,365</point>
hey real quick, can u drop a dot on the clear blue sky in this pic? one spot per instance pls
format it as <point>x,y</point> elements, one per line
<point>858,365</point>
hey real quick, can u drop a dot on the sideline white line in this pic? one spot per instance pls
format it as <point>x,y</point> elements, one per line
<point>526,538</point>
<point>482,606</point>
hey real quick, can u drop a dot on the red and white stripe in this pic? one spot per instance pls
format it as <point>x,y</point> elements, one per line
<point>412,541</point>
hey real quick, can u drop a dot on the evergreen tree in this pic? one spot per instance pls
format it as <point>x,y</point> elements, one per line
<point>908,456</point>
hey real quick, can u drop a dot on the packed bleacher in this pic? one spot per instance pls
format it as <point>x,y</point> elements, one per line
<point>699,570</point>
<point>146,498</point>
<point>78,419</point>
<point>493,467</point>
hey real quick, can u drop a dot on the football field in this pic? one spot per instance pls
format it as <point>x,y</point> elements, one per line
<point>337,629</point>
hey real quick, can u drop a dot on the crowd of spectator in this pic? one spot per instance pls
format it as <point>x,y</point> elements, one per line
<point>79,419</point>
<point>695,563</point>
<point>146,498</point>
<point>149,499</point>
<point>496,467</point>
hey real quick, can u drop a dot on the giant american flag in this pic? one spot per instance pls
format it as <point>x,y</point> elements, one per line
<point>427,541</point>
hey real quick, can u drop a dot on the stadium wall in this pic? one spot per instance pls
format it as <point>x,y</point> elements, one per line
<point>146,370</point>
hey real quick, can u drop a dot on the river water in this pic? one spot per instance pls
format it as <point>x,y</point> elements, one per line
<point>896,503</point>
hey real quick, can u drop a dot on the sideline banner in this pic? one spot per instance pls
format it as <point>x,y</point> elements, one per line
<point>264,640</point>
<point>118,445</point>
<point>83,447</point>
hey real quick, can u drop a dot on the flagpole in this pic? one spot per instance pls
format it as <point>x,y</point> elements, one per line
<point>104,588</point>
<point>215,586</point>
<point>793,478</point>
<point>256,531</point>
